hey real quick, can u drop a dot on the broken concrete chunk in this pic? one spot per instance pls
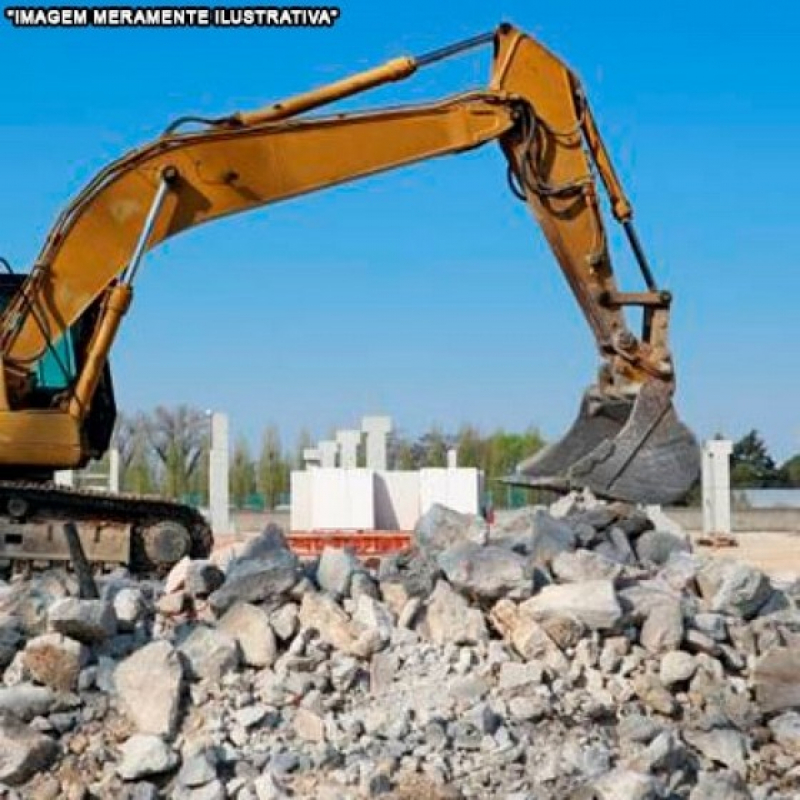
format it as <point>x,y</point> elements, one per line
<point>210,653</point>
<point>144,755</point>
<point>336,569</point>
<point>148,685</point>
<point>441,527</point>
<point>594,603</point>
<point>23,751</point>
<point>55,660</point>
<point>88,621</point>
<point>250,626</point>
<point>777,679</point>
<point>256,580</point>
<point>487,572</point>
<point>734,588</point>
<point>450,618</point>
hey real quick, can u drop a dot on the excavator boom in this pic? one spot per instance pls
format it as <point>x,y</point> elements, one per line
<point>627,443</point>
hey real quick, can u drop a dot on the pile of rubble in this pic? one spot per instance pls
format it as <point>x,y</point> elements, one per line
<point>581,652</point>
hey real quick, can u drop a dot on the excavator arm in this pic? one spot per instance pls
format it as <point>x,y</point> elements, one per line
<point>533,107</point>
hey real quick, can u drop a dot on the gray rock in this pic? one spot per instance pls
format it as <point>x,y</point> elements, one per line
<point>676,667</point>
<point>26,701</point>
<point>450,619</point>
<point>88,621</point>
<point>584,565</point>
<point>256,580</point>
<point>309,725</point>
<point>203,578</point>
<point>732,587</point>
<point>594,603</point>
<point>785,730</point>
<point>656,547</point>
<point>148,685</point>
<point>624,784</point>
<point>250,626</point>
<point>663,629</point>
<point>638,728</point>
<point>712,625</point>
<point>372,615</point>
<point>144,755</point>
<point>209,653</point>
<point>322,613</point>
<point>776,677</point>
<point>724,746</point>
<point>265,544</point>
<point>487,572</point>
<point>536,534</point>
<point>55,660</point>
<point>284,621</point>
<point>639,599</point>
<point>197,770</point>
<point>10,641</point>
<point>720,786</point>
<point>23,751</point>
<point>441,527</point>
<point>335,570</point>
<point>130,606</point>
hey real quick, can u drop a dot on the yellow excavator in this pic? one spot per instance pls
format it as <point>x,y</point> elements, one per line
<point>59,322</point>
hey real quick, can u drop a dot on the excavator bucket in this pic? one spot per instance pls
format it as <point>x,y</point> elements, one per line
<point>635,450</point>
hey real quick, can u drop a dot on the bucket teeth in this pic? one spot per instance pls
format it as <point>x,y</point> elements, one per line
<point>635,450</point>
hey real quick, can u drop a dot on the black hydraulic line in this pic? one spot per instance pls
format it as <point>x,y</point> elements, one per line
<point>640,256</point>
<point>87,588</point>
<point>454,49</point>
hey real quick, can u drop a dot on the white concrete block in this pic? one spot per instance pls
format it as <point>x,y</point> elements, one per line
<point>397,500</point>
<point>349,442</point>
<point>342,498</point>
<point>377,430</point>
<point>459,489</point>
<point>300,511</point>
<point>329,453</point>
<point>218,489</point>
<point>312,457</point>
<point>716,480</point>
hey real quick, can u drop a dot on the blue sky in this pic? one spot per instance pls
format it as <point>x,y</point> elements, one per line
<point>429,294</point>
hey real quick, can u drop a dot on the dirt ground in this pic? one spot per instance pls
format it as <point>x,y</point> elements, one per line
<point>778,554</point>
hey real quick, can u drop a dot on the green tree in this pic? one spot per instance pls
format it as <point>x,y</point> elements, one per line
<point>751,463</point>
<point>274,467</point>
<point>472,448</point>
<point>137,471</point>
<point>304,442</point>
<point>242,475</point>
<point>177,436</point>
<point>790,471</point>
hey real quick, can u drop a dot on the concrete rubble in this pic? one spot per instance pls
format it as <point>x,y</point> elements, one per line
<point>576,653</point>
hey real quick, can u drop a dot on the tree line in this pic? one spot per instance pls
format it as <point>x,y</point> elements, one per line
<point>752,465</point>
<point>166,452</point>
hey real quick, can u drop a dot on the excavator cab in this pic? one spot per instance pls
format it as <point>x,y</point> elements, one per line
<point>55,373</point>
<point>634,449</point>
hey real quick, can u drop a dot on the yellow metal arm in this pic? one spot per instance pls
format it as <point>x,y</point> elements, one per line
<point>533,107</point>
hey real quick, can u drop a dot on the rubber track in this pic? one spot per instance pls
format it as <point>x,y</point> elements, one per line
<point>50,502</point>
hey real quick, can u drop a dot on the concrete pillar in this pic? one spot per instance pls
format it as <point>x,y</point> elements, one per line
<point>377,430</point>
<point>348,442</point>
<point>452,458</point>
<point>218,468</point>
<point>113,470</point>
<point>716,477</point>
<point>329,450</point>
<point>312,457</point>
